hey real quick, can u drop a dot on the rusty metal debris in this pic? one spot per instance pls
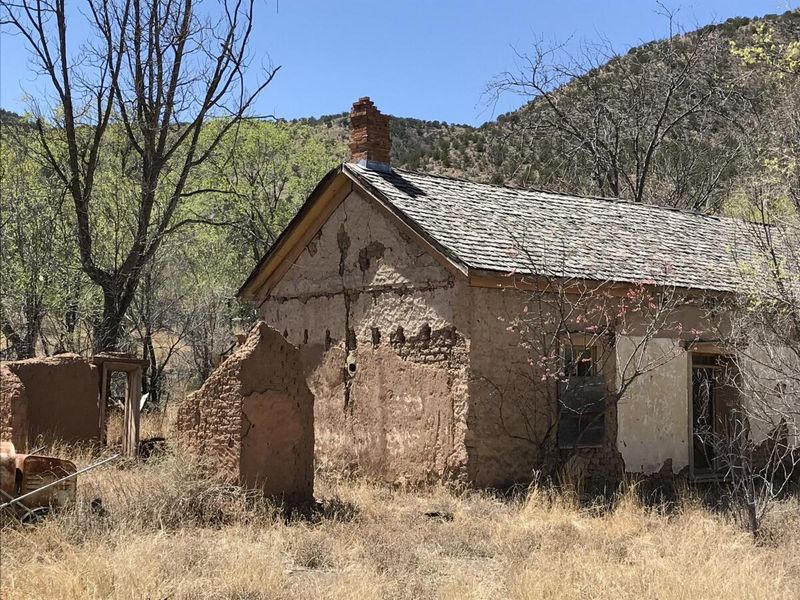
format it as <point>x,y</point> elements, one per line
<point>33,485</point>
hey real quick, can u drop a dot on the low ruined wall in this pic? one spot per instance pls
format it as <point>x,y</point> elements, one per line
<point>13,409</point>
<point>254,418</point>
<point>54,397</point>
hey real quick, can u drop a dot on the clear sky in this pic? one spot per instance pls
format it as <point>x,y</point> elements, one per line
<point>429,59</point>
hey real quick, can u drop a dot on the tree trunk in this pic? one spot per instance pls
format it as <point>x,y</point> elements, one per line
<point>152,382</point>
<point>24,346</point>
<point>109,330</point>
<point>19,346</point>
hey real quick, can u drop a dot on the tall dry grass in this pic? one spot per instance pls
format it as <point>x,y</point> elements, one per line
<point>166,530</point>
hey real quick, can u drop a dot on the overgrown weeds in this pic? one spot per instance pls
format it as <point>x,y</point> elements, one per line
<point>166,528</point>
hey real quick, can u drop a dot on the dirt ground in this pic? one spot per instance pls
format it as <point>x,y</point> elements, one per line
<point>166,530</point>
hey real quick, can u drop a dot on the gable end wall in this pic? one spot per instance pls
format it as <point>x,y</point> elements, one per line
<point>382,329</point>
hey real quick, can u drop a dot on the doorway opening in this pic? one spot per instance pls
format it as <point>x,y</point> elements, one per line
<point>714,399</point>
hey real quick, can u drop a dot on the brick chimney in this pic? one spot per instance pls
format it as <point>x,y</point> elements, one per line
<point>370,141</point>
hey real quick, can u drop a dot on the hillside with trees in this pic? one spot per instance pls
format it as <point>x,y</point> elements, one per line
<point>681,122</point>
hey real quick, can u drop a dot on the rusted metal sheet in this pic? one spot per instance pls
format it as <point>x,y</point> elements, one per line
<point>37,472</point>
<point>41,479</point>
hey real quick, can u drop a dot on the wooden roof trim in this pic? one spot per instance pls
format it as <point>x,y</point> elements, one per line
<point>325,198</point>
<point>501,280</point>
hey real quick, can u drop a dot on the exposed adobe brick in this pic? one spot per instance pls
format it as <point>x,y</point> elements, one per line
<point>370,139</point>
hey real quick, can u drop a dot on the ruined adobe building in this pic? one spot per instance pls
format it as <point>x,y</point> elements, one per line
<point>254,418</point>
<point>52,398</point>
<point>398,289</point>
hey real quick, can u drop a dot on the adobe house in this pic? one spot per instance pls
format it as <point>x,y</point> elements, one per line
<point>410,298</point>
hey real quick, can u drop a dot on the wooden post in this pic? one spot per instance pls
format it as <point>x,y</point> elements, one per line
<point>133,394</point>
<point>102,402</point>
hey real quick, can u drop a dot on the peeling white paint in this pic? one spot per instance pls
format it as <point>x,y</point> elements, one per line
<point>653,415</point>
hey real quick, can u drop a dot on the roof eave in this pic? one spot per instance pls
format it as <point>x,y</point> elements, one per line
<point>256,279</point>
<point>488,278</point>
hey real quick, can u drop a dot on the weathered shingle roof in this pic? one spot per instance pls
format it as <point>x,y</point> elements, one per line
<point>503,229</point>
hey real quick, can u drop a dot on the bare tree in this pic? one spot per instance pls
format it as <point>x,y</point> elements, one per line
<point>757,450</point>
<point>639,126</point>
<point>587,344</point>
<point>160,323</point>
<point>759,454</point>
<point>136,101</point>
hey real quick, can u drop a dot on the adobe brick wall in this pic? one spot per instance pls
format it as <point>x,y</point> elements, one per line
<point>13,409</point>
<point>254,417</point>
<point>52,398</point>
<point>381,329</point>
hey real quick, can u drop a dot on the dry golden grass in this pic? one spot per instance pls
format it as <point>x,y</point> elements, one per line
<point>151,424</point>
<point>166,531</point>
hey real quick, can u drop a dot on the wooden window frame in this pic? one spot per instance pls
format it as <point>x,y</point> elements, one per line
<point>591,416</point>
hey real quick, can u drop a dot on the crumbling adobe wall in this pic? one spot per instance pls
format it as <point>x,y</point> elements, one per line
<point>510,421</point>
<point>381,326</point>
<point>54,397</point>
<point>13,409</point>
<point>254,417</point>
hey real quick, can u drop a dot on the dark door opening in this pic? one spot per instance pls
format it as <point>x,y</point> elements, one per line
<point>713,396</point>
<point>703,387</point>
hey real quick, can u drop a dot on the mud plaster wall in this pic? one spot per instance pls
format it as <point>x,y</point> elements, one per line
<point>254,418</point>
<point>61,393</point>
<point>381,326</point>
<point>503,416</point>
<point>647,430</point>
<point>513,413</point>
<point>654,413</point>
<point>771,397</point>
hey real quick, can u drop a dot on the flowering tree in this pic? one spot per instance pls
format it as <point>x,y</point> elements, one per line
<point>587,344</point>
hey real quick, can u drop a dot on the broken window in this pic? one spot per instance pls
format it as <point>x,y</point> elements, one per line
<point>581,395</point>
<point>580,361</point>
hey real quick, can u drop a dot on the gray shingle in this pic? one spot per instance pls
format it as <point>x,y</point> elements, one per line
<point>533,232</point>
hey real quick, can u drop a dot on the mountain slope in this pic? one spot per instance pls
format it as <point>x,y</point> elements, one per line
<point>697,162</point>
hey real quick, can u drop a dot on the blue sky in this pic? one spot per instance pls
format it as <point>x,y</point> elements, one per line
<point>429,59</point>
